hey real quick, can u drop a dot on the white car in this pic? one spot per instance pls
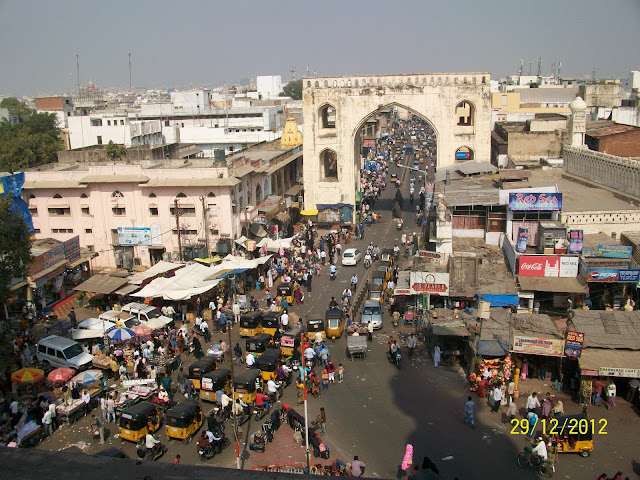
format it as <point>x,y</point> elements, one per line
<point>351,256</point>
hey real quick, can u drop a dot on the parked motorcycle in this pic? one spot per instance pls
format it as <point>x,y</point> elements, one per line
<point>152,454</point>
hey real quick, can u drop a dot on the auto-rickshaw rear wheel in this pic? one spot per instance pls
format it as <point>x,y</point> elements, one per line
<point>188,439</point>
<point>585,453</point>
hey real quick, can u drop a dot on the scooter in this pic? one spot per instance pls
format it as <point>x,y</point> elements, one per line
<point>152,454</point>
<point>394,357</point>
<point>367,263</point>
<point>333,275</point>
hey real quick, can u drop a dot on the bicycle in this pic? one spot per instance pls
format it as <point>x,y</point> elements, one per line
<point>543,467</point>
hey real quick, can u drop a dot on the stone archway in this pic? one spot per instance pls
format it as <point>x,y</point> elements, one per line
<point>259,197</point>
<point>438,98</point>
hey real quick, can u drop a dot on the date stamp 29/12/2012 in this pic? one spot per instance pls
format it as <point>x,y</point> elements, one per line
<point>570,426</point>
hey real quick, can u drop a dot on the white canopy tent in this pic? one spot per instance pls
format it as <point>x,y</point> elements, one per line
<point>275,245</point>
<point>187,282</point>
<point>158,269</point>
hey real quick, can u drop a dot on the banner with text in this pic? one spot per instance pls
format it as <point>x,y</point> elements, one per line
<point>535,201</point>
<point>549,347</point>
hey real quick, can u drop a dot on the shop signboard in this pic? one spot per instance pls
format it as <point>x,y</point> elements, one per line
<point>613,275</point>
<point>585,372</point>
<point>53,256</point>
<point>539,265</point>
<point>427,282</point>
<point>573,344</point>
<point>614,251</point>
<point>72,248</point>
<point>261,218</point>
<point>550,347</point>
<point>427,254</point>
<point>134,236</point>
<point>569,266</point>
<point>576,241</point>
<point>619,372</point>
<point>461,155</point>
<point>523,238</point>
<point>535,201</point>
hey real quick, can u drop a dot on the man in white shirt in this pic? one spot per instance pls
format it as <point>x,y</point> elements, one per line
<point>318,338</point>
<point>540,450</point>
<point>497,398</point>
<point>533,402</point>
<point>272,388</point>
<point>284,320</point>
<point>236,312</point>
<point>250,360</point>
<point>309,354</point>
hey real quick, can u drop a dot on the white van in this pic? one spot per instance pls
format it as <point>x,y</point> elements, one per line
<point>120,318</point>
<point>63,352</point>
<point>91,328</point>
<point>147,315</point>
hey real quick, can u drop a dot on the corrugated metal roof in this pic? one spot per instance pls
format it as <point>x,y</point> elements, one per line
<point>596,358</point>
<point>608,329</point>
<point>611,130</point>
<point>243,170</point>
<point>547,95</point>
<point>473,168</point>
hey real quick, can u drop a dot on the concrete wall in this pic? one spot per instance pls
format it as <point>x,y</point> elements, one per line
<point>616,172</point>
<point>626,116</point>
<point>526,145</point>
<point>433,96</point>
<point>601,95</point>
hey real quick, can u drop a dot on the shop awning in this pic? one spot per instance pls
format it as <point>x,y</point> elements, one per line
<point>492,348</point>
<point>282,216</point>
<point>208,261</point>
<point>241,241</point>
<point>603,360</point>
<point>102,283</point>
<point>187,282</point>
<point>294,191</point>
<point>257,230</point>
<point>50,272</point>
<point>309,213</point>
<point>127,289</point>
<point>84,257</point>
<point>499,300</point>
<point>157,269</point>
<point>551,284</point>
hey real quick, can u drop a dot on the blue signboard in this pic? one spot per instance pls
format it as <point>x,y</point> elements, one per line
<point>523,237</point>
<point>629,276</point>
<point>576,241</point>
<point>462,155</point>
<point>535,201</point>
<point>613,275</point>
<point>614,251</point>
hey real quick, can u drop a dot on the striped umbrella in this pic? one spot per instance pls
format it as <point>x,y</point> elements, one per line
<point>61,375</point>
<point>27,375</point>
<point>121,333</point>
<point>142,330</point>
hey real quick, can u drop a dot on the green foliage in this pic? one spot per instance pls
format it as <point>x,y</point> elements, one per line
<point>16,107</point>
<point>115,151</point>
<point>15,245</point>
<point>293,89</point>
<point>32,142</point>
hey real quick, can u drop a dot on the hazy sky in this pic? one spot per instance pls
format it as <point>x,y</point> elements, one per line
<point>207,43</point>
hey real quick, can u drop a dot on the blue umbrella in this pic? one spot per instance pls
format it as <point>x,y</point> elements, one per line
<point>121,333</point>
<point>87,377</point>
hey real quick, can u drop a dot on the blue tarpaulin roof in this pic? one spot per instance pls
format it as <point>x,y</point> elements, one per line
<point>491,348</point>
<point>499,300</point>
<point>226,273</point>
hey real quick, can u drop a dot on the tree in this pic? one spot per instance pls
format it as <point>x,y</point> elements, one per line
<point>115,151</point>
<point>16,107</point>
<point>293,89</point>
<point>32,142</point>
<point>15,245</point>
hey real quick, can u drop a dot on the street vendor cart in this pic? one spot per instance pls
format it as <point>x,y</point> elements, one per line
<point>356,346</point>
<point>71,412</point>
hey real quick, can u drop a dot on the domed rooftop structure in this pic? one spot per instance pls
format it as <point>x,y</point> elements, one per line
<point>578,104</point>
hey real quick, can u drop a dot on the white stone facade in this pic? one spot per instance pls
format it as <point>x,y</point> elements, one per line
<point>335,109</point>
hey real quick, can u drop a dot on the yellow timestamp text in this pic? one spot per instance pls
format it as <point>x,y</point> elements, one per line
<point>554,426</point>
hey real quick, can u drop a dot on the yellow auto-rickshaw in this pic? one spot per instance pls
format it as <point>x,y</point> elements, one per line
<point>138,420</point>
<point>286,290</point>
<point>315,324</point>
<point>271,322</point>
<point>379,278</point>
<point>199,368</point>
<point>375,293</point>
<point>335,323</point>
<point>211,382</point>
<point>250,324</point>
<point>574,434</point>
<point>290,341</point>
<point>258,344</point>
<point>184,420</point>
<point>386,268</point>
<point>245,384</point>
<point>387,255</point>
<point>267,363</point>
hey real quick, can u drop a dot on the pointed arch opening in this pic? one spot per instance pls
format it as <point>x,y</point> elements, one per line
<point>329,165</point>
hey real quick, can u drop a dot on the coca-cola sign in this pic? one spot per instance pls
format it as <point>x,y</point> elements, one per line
<point>539,265</point>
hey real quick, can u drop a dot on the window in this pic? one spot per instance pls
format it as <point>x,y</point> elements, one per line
<point>184,211</point>
<point>119,211</point>
<point>121,122</point>
<point>166,123</point>
<point>211,195</point>
<point>329,165</point>
<point>214,231</point>
<point>109,123</point>
<point>185,232</point>
<point>213,209</point>
<point>504,100</point>
<point>36,231</point>
<point>83,195</point>
<point>57,195</point>
<point>59,212</point>
<point>62,230</point>
<point>153,211</point>
<point>96,122</point>
<point>117,194</point>
<point>327,116</point>
<point>90,248</point>
<point>85,210</point>
<point>181,195</point>
<point>532,216</point>
<point>99,140</point>
<point>152,195</point>
<point>33,211</point>
<point>88,230</point>
<point>464,114</point>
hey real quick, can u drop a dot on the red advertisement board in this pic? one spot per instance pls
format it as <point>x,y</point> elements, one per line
<point>539,265</point>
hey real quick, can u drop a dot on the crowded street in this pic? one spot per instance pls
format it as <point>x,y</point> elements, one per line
<point>378,408</point>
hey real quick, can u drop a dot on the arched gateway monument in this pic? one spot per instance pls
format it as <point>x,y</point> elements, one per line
<point>456,105</point>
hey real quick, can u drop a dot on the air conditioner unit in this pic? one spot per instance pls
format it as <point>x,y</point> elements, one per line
<point>136,261</point>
